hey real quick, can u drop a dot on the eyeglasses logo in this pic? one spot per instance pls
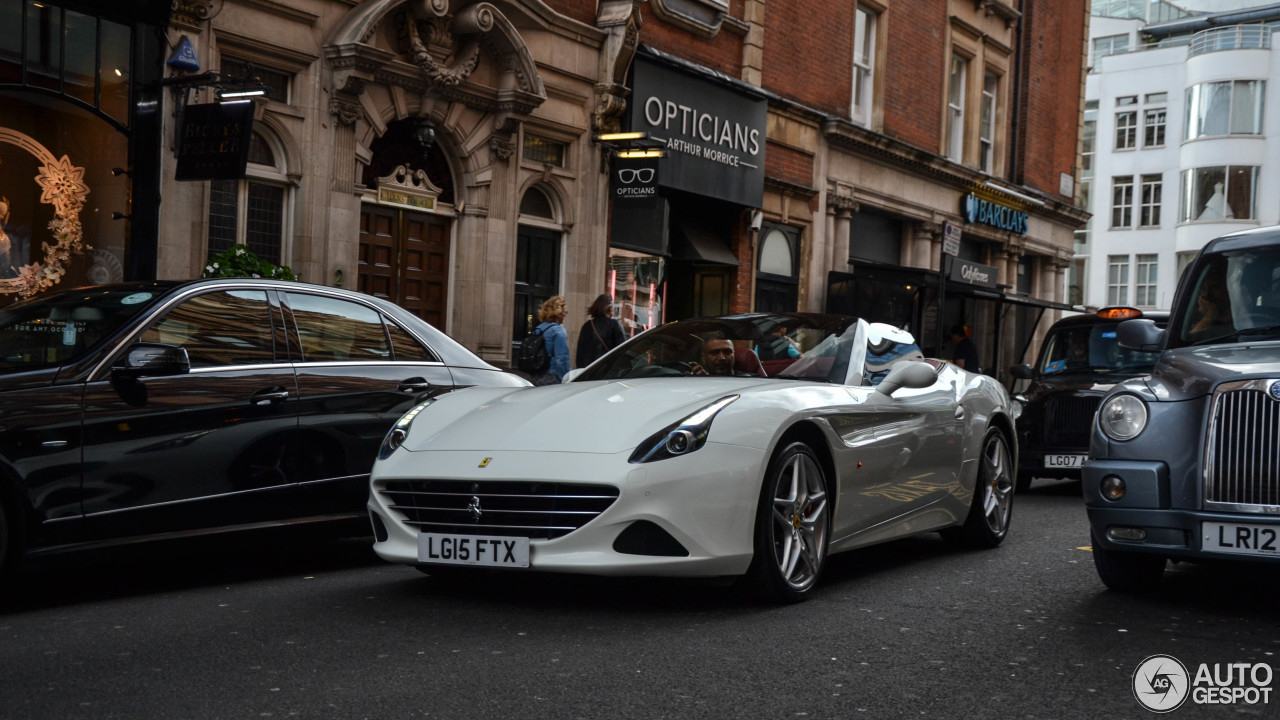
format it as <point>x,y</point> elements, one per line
<point>627,176</point>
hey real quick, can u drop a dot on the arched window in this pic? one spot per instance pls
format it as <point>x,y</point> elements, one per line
<point>777,278</point>
<point>253,212</point>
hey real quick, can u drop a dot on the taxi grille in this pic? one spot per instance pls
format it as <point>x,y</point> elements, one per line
<point>538,510</point>
<point>1243,458</point>
<point>1068,420</point>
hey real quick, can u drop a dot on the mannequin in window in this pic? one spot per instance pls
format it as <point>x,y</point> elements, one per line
<point>1216,208</point>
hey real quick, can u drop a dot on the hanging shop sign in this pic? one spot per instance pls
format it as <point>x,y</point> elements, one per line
<point>977,210</point>
<point>61,185</point>
<point>634,183</point>
<point>714,136</point>
<point>972,273</point>
<point>214,141</point>
<point>643,229</point>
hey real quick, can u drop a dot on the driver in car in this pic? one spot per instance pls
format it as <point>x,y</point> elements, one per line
<point>717,358</point>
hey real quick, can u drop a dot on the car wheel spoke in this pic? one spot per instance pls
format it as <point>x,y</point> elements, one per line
<point>997,486</point>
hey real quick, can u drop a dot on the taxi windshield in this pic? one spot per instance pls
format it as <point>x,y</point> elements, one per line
<point>1234,297</point>
<point>1091,349</point>
<point>812,347</point>
<point>62,327</point>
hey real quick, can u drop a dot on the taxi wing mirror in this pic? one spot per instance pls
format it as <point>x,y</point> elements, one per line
<point>1141,335</point>
<point>1022,372</point>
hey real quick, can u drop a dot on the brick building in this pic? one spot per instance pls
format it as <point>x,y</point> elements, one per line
<point>444,154</point>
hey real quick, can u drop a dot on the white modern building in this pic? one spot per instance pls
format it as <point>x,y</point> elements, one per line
<point>1181,141</point>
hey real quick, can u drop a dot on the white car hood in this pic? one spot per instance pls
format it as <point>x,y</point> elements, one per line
<point>607,416</point>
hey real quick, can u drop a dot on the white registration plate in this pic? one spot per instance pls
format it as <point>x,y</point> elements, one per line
<point>1241,539</point>
<point>1064,461</point>
<point>480,550</point>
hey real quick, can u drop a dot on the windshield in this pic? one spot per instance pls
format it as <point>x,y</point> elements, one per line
<point>60,328</point>
<point>811,347</point>
<point>1234,297</point>
<point>1091,349</point>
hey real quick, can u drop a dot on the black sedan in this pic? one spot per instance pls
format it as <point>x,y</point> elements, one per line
<point>1079,362</point>
<point>141,411</point>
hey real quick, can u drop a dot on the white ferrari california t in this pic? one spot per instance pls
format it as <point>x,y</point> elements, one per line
<point>753,445</point>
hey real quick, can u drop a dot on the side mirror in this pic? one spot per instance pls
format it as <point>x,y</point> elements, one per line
<point>1022,372</point>
<point>153,360</point>
<point>1141,335</point>
<point>908,374</point>
<point>572,375</point>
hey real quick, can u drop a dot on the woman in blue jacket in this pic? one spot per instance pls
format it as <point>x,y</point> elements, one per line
<point>551,316</point>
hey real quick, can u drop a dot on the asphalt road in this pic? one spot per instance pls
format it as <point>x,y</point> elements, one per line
<point>263,628</point>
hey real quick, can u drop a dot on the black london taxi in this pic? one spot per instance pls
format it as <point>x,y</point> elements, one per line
<point>1079,362</point>
<point>1184,464</point>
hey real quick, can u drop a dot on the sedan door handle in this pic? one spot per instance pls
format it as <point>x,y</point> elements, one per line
<point>414,385</point>
<point>268,396</point>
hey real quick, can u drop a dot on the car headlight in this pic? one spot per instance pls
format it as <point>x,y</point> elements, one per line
<point>396,436</point>
<point>1015,407</point>
<point>680,438</point>
<point>1123,417</point>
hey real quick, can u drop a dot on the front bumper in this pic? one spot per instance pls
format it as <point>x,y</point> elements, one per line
<point>706,501</point>
<point>1169,531</point>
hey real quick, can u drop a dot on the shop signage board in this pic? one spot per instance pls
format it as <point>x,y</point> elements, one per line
<point>713,135</point>
<point>213,143</point>
<point>642,229</point>
<point>987,212</point>
<point>972,273</point>
<point>951,239</point>
<point>633,183</point>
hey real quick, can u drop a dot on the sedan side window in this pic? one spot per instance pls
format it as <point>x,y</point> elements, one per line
<point>219,328</point>
<point>335,330</point>
<point>407,348</point>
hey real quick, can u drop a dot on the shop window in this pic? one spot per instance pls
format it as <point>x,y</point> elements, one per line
<point>252,212</point>
<point>1224,108</point>
<point>1219,193</point>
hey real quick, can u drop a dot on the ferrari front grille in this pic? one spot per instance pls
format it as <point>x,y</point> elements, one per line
<point>1242,464</point>
<point>538,510</point>
<point>1068,420</point>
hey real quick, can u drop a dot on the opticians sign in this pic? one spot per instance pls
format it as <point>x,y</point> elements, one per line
<point>634,182</point>
<point>977,210</point>
<point>713,135</point>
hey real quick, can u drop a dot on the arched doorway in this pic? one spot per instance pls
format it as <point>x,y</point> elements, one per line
<point>537,276</point>
<point>406,222</point>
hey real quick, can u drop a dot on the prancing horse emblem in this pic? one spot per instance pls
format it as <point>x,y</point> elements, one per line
<point>473,507</point>
<point>485,462</point>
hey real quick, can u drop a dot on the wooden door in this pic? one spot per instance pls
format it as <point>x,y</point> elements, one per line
<point>404,258</point>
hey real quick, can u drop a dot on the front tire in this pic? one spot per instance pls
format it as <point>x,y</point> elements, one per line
<point>987,524</point>
<point>792,527</point>
<point>1128,572</point>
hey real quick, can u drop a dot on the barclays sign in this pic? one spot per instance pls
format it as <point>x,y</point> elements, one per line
<point>977,210</point>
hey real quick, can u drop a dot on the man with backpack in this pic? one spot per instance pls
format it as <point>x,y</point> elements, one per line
<point>544,354</point>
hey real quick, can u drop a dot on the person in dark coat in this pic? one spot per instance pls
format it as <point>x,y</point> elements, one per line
<point>966,353</point>
<point>600,333</point>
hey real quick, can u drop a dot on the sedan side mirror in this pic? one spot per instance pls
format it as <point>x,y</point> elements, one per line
<point>153,360</point>
<point>1141,335</point>
<point>910,374</point>
<point>1022,372</point>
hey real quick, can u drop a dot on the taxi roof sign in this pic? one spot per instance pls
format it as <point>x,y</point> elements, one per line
<point>1119,313</point>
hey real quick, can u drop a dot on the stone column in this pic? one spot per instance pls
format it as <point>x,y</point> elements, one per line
<point>840,210</point>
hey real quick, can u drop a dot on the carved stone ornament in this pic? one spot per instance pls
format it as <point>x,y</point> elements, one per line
<point>501,148</point>
<point>440,40</point>
<point>347,110</point>
<point>191,14</point>
<point>402,178</point>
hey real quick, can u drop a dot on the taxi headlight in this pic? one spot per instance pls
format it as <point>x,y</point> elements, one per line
<point>1015,407</point>
<point>1123,417</point>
